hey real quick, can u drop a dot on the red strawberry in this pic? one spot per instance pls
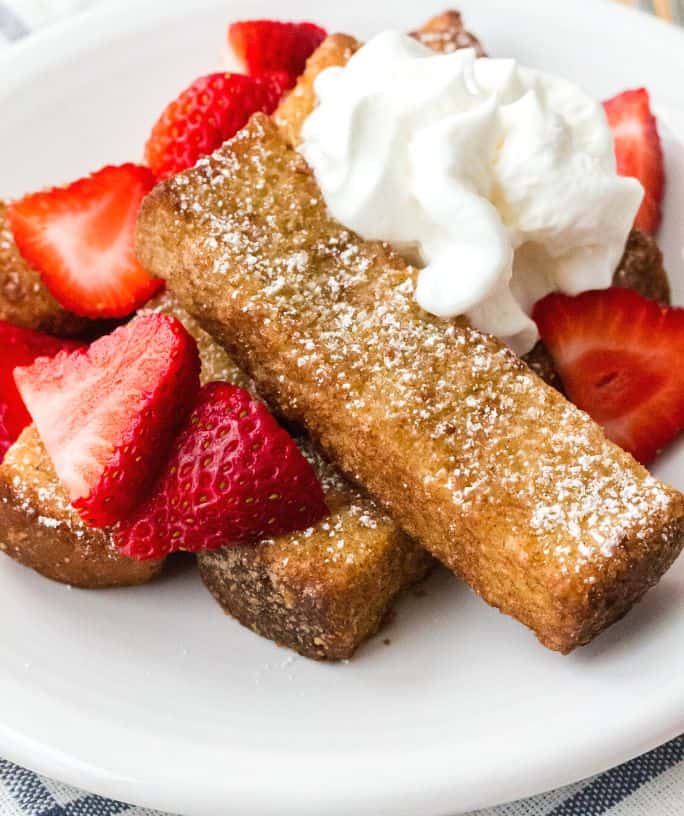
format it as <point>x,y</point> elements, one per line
<point>234,476</point>
<point>20,347</point>
<point>273,45</point>
<point>107,413</point>
<point>81,240</point>
<point>620,357</point>
<point>638,152</point>
<point>205,114</point>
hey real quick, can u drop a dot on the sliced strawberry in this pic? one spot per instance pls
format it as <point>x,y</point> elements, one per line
<point>81,240</point>
<point>638,151</point>
<point>20,347</point>
<point>205,114</point>
<point>234,476</point>
<point>620,357</point>
<point>274,45</point>
<point>107,413</point>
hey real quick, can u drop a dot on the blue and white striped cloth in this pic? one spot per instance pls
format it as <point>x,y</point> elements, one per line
<point>651,785</point>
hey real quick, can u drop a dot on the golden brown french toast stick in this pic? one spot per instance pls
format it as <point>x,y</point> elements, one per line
<point>494,472</point>
<point>335,50</point>
<point>40,529</point>
<point>322,591</point>
<point>641,268</point>
<point>446,32</point>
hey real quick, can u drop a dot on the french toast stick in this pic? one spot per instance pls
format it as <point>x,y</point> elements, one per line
<point>641,268</point>
<point>40,529</point>
<point>308,592</point>
<point>493,471</point>
<point>445,33</point>
<point>326,590</point>
<point>24,299</point>
<point>322,591</point>
<point>335,50</point>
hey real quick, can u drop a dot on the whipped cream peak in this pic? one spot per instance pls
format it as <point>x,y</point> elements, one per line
<point>499,179</point>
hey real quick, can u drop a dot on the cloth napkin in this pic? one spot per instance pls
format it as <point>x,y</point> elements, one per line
<point>650,785</point>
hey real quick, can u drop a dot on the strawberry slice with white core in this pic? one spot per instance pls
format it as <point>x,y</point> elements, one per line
<point>107,414</point>
<point>638,152</point>
<point>20,347</point>
<point>620,358</point>
<point>81,238</point>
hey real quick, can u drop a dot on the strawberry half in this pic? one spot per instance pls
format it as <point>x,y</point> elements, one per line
<point>638,152</point>
<point>205,114</point>
<point>234,476</point>
<point>81,240</point>
<point>620,357</point>
<point>20,347</point>
<point>274,45</point>
<point>107,413</point>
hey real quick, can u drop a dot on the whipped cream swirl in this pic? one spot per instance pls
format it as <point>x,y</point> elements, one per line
<point>498,180</point>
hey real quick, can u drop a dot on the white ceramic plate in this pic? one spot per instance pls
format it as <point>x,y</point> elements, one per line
<point>152,695</point>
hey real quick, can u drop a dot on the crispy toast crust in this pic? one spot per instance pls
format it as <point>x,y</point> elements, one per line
<point>321,591</point>
<point>495,473</point>
<point>24,299</point>
<point>289,116</point>
<point>40,529</point>
<point>641,268</point>
<point>324,591</point>
<point>445,33</point>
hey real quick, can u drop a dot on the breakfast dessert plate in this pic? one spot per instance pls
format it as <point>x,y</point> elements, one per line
<point>151,695</point>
